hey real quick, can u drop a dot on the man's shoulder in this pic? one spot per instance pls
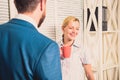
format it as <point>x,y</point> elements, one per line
<point>3,24</point>
<point>45,38</point>
<point>41,39</point>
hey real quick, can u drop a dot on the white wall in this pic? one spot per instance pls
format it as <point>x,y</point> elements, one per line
<point>57,10</point>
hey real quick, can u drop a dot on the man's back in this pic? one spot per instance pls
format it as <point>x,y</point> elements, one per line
<point>25,54</point>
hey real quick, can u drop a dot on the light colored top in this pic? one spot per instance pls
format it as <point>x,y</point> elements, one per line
<point>27,18</point>
<point>72,68</point>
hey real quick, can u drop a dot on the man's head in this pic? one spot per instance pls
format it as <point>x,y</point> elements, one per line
<point>26,5</point>
<point>34,7</point>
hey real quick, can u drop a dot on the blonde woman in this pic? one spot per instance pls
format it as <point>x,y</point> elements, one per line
<point>76,64</point>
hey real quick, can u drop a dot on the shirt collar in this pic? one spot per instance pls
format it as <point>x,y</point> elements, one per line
<point>27,18</point>
<point>75,44</point>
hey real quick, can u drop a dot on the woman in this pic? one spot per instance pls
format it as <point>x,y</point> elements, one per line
<point>76,64</point>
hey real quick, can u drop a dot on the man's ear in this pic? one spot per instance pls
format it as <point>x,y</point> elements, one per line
<point>42,4</point>
<point>15,2</point>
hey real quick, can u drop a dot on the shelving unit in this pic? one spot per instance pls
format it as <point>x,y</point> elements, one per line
<point>103,39</point>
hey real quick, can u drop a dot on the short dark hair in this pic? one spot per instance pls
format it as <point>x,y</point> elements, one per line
<point>26,5</point>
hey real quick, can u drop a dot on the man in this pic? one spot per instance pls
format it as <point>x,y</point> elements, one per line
<point>26,54</point>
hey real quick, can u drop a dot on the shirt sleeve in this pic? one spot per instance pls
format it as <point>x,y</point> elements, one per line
<point>49,66</point>
<point>85,56</point>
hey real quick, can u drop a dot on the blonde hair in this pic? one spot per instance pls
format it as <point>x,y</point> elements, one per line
<point>68,19</point>
<point>66,22</point>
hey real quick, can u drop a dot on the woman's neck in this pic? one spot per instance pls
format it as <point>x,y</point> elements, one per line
<point>68,42</point>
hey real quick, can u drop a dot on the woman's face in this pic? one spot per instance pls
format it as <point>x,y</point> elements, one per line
<point>71,30</point>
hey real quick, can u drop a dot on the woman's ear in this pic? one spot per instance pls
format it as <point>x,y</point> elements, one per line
<point>62,28</point>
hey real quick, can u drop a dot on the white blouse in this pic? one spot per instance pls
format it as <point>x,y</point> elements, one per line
<point>72,68</point>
